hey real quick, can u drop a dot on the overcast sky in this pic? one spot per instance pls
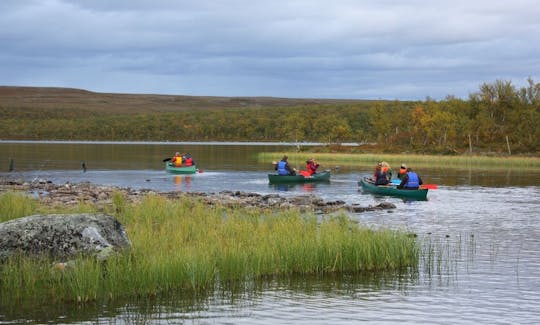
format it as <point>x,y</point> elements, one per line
<point>408,49</point>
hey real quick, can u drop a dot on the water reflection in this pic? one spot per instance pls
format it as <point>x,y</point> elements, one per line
<point>182,182</point>
<point>300,187</point>
<point>87,156</point>
<point>243,301</point>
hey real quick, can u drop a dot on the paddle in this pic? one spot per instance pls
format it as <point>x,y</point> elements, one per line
<point>169,159</point>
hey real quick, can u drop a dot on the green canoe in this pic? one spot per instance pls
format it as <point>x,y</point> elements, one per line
<point>319,177</point>
<point>180,170</point>
<point>368,186</point>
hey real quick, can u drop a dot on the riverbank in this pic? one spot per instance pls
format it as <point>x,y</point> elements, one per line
<point>70,194</point>
<point>193,241</point>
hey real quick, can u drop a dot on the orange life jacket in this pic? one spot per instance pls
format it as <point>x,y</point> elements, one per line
<point>177,161</point>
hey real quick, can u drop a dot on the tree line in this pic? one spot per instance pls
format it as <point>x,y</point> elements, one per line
<point>497,118</point>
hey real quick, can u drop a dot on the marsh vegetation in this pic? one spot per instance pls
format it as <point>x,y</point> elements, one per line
<point>187,245</point>
<point>369,159</point>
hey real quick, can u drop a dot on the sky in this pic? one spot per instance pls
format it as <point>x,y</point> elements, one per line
<point>351,49</point>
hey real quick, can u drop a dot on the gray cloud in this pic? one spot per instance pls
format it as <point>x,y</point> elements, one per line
<point>297,48</point>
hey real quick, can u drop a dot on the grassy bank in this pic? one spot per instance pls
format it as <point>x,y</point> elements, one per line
<point>187,245</point>
<point>416,161</point>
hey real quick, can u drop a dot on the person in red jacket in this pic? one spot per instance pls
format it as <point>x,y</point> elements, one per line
<point>311,166</point>
<point>188,160</point>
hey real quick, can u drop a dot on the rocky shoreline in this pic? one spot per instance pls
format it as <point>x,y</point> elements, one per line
<point>72,194</point>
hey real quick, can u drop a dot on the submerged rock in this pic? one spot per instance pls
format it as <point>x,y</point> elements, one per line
<point>63,236</point>
<point>380,206</point>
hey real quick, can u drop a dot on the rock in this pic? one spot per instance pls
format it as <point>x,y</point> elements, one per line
<point>73,194</point>
<point>63,236</point>
<point>380,206</point>
<point>386,205</point>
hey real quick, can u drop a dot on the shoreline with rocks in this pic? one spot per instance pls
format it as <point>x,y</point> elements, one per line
<point>69,194</point>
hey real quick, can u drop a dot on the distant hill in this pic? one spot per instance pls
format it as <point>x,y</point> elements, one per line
<point>70,98</point>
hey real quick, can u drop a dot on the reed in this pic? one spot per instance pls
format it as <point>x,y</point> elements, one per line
<point>185,244</point>
<point>14,205</point>
<point>367,160</point>
<point>441,255</point>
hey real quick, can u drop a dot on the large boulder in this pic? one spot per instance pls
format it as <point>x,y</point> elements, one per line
<point>62,236</point>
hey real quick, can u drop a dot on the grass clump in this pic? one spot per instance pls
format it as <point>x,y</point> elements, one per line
<point>418,161</point>
<point>184,244</point>
<point>16,205</point>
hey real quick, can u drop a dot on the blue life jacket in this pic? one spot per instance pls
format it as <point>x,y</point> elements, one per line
<point>281,170</point>
<point>413,181</point>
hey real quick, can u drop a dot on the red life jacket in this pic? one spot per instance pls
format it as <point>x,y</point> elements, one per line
<point>312,167</point>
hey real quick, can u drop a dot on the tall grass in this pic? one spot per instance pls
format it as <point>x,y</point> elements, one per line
<point>342,159</point>
<point>184,244</point>
<point>13,206</point>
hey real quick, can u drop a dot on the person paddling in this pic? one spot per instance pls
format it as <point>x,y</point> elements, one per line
<point>177,160</point>
<point>410,180</point>
<point>311,167</point>
<point>188,160</point>
<point>283,167</point>
<point>402,171</point>
<point>380,176</point>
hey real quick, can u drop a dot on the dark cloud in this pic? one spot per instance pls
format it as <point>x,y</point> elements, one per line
<point>303,48</point>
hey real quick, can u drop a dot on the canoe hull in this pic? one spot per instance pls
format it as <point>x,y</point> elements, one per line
<point>392,190</point>
<point>280,179</point>
<point>180,170</point>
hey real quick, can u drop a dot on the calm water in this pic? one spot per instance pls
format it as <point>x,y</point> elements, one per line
<point>485,225</point>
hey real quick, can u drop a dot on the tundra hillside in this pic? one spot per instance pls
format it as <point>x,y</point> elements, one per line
<point>498,118</point>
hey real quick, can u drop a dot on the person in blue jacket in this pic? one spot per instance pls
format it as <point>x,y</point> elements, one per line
<point>410,180</point>
<point>283,167</point>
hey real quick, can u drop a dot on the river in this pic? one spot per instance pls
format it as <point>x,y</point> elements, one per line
<point>484,226</point>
